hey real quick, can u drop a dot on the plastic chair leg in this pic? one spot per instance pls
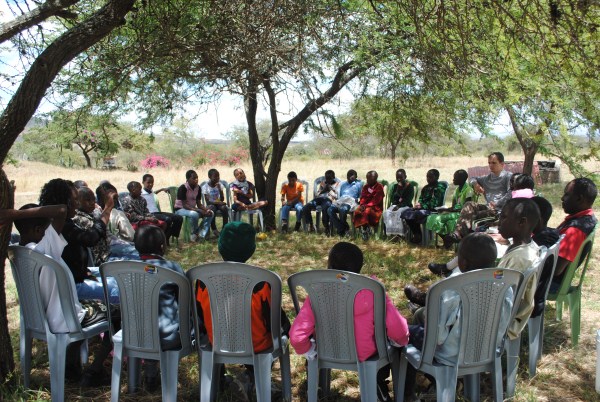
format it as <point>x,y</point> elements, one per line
<point>325,381</point>
<point>115,380</point>
<point>575,310</point>
<point>313,380</point>
<point>400,386</point>
<point>512,362</point>
<point>262,376</point>
<point>559,308</point>
<point>286,374</point>
<point>25,354</point>
<point>83,354</point>
<point>445,383</point>
<point>471,387</point>
<point>496,381</point>
<point>367,381</point>
<point>57,350</point>
<point>535,327</point>
<point>133,374</point>
<point>395,363</point>
<point>169,365</point>
<point>206,376</point>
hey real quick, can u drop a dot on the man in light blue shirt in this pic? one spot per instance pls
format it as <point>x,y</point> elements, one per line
<point>348,198</point>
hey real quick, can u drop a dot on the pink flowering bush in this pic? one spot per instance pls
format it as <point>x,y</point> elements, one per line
<point>154,161</point>
<point>212,157</point>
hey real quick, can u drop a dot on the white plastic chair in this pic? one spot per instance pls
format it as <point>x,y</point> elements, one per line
<point>230,286</point>
<point>332,294</point>
<point>237,215</point>
<point>482,293</point>
<point>535,324</point>
<point>26,265</point>
<point>139,290</point>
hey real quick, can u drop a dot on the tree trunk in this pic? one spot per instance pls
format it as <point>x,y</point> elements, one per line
<point>529,152</point>
<point>88,161</point>
<point>7,362</point>
<point>528,145</point>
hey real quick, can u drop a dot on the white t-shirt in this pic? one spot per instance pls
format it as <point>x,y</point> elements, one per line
<point>150,201</point>
<point>53,244</point>
<point>214,193</point>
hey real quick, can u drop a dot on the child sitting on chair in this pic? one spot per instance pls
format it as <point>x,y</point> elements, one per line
<point>188,204</point>
<point>243,193</point>
<point>348,257</point>
<point>136,208</point>
<point>214,197</point>
<point>291,197</point>
<point>151,243</point>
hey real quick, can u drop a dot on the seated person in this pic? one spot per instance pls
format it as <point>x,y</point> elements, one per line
<point>370,208</point>
<point>121,231</point>
<point>214,197</point>
<point>346,202</point>
<point>173,221</point>
<point>402,198</point>
<point>189,204</point>
<point>243,193</point>
<point>577,202</point>
<point>348,257</point>
<point>444,221</point>
<point>432,196</point>
<point>291,197</point>
<point>134,205</point>
<point>521,185</point>
<point>476,251</point>
<point>151,243</point>
<point>75,253</point>
<point>326,194</point>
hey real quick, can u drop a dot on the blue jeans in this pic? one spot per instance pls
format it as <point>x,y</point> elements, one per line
<point>194,217</point>
<point>91,289</point>
<point>285,211</point>
<point>324,203</point>
<point>339,223</point>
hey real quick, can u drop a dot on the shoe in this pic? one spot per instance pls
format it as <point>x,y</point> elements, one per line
<point>383,394</point>
<point>412,307</point>
<point>439,269</point>
<point>284,228</point>
<point>297,227</point>
<point>416,238</point>
<point>450,240</point>
<point>151,384</point>
<point>415,295</point>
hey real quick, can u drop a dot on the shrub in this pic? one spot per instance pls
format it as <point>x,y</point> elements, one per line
<point>154,161</point>
<point>231,157</point>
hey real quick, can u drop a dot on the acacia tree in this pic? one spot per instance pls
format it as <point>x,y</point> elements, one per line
<point>83,32</point>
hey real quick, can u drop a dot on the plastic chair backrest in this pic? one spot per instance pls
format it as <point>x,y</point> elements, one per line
<point>230,286</point>
<point>573,271</point>
<point>172,197</point>
<point>139,286</point>
<point>545,275</point>
<point>445,183</point>
<point>332,295</point>
<point>482,293</point>
<point>317,182</point>
<point>529,275</point>
<point>226,191</point>
<point>26,266</point>
<point>304,184</point>
<point>416,187</point>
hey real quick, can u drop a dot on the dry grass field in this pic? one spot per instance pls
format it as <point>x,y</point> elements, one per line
<point>564,373</point>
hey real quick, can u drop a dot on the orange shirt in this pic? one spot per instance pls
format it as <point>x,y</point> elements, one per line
<point>260,320</point>
<point>292,192</point>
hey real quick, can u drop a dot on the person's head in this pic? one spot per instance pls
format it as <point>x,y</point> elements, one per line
<point>511,182</point>
<point>476,251</point>
<point>192,178</point>
<point>433,176</point>
<point>351,176</point>
<point>237,241</point>
<point>214,176</point>
<point>460,177</point>
<point>80,183</point>
<point>400,175</point>
<point>87,200</point>
<point>59,191</point>
<point>518,218</point>
<point>31,229</point>
<point>148,181</point>
<point>135,189</point>
<point>329,176</point>
<point>579,195</point>
<point>150,239</point>
<point>345,256</point>
<point>103,190</point>
<point>496,162</point>
<point>372,177</point>
<point>292,178</point>
<point>239,175</point>
<point>523,181</point>
<point>545,212</point>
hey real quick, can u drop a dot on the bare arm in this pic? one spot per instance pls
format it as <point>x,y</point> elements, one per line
<point>58,214</point>
<point>561,266</point>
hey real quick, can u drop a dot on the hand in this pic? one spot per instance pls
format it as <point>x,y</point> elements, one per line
<point>478,189</point>
<point>109,200</point>
<point>418,205</point>
<point>492,205</point>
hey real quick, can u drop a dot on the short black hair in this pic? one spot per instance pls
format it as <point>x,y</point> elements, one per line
<point>211,172</point>
<point>462,174</point>
<point>190,173</point>
<point>523,181</point>
<point>478,250</point>
<point>56,192</point>
<point>401,171</point>
<point>586,188</point>
<point>373,173</point>
<point>351,172</point>
<point>292,175</point>
<point>80,183</point>
<point>26,225</point>
<point>435,173</point>
<point>524,208</point>
<point>133,184</point>
<point>545,209</point>
<point>346,257</point>
<point>330,173</point>
<point>498,156</point>
<point>147,176</point>
<point>83,192</point>
<point>149,239</point>
<point>101,190</point>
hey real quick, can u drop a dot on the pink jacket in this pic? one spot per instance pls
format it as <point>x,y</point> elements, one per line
<point>364,326</point>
